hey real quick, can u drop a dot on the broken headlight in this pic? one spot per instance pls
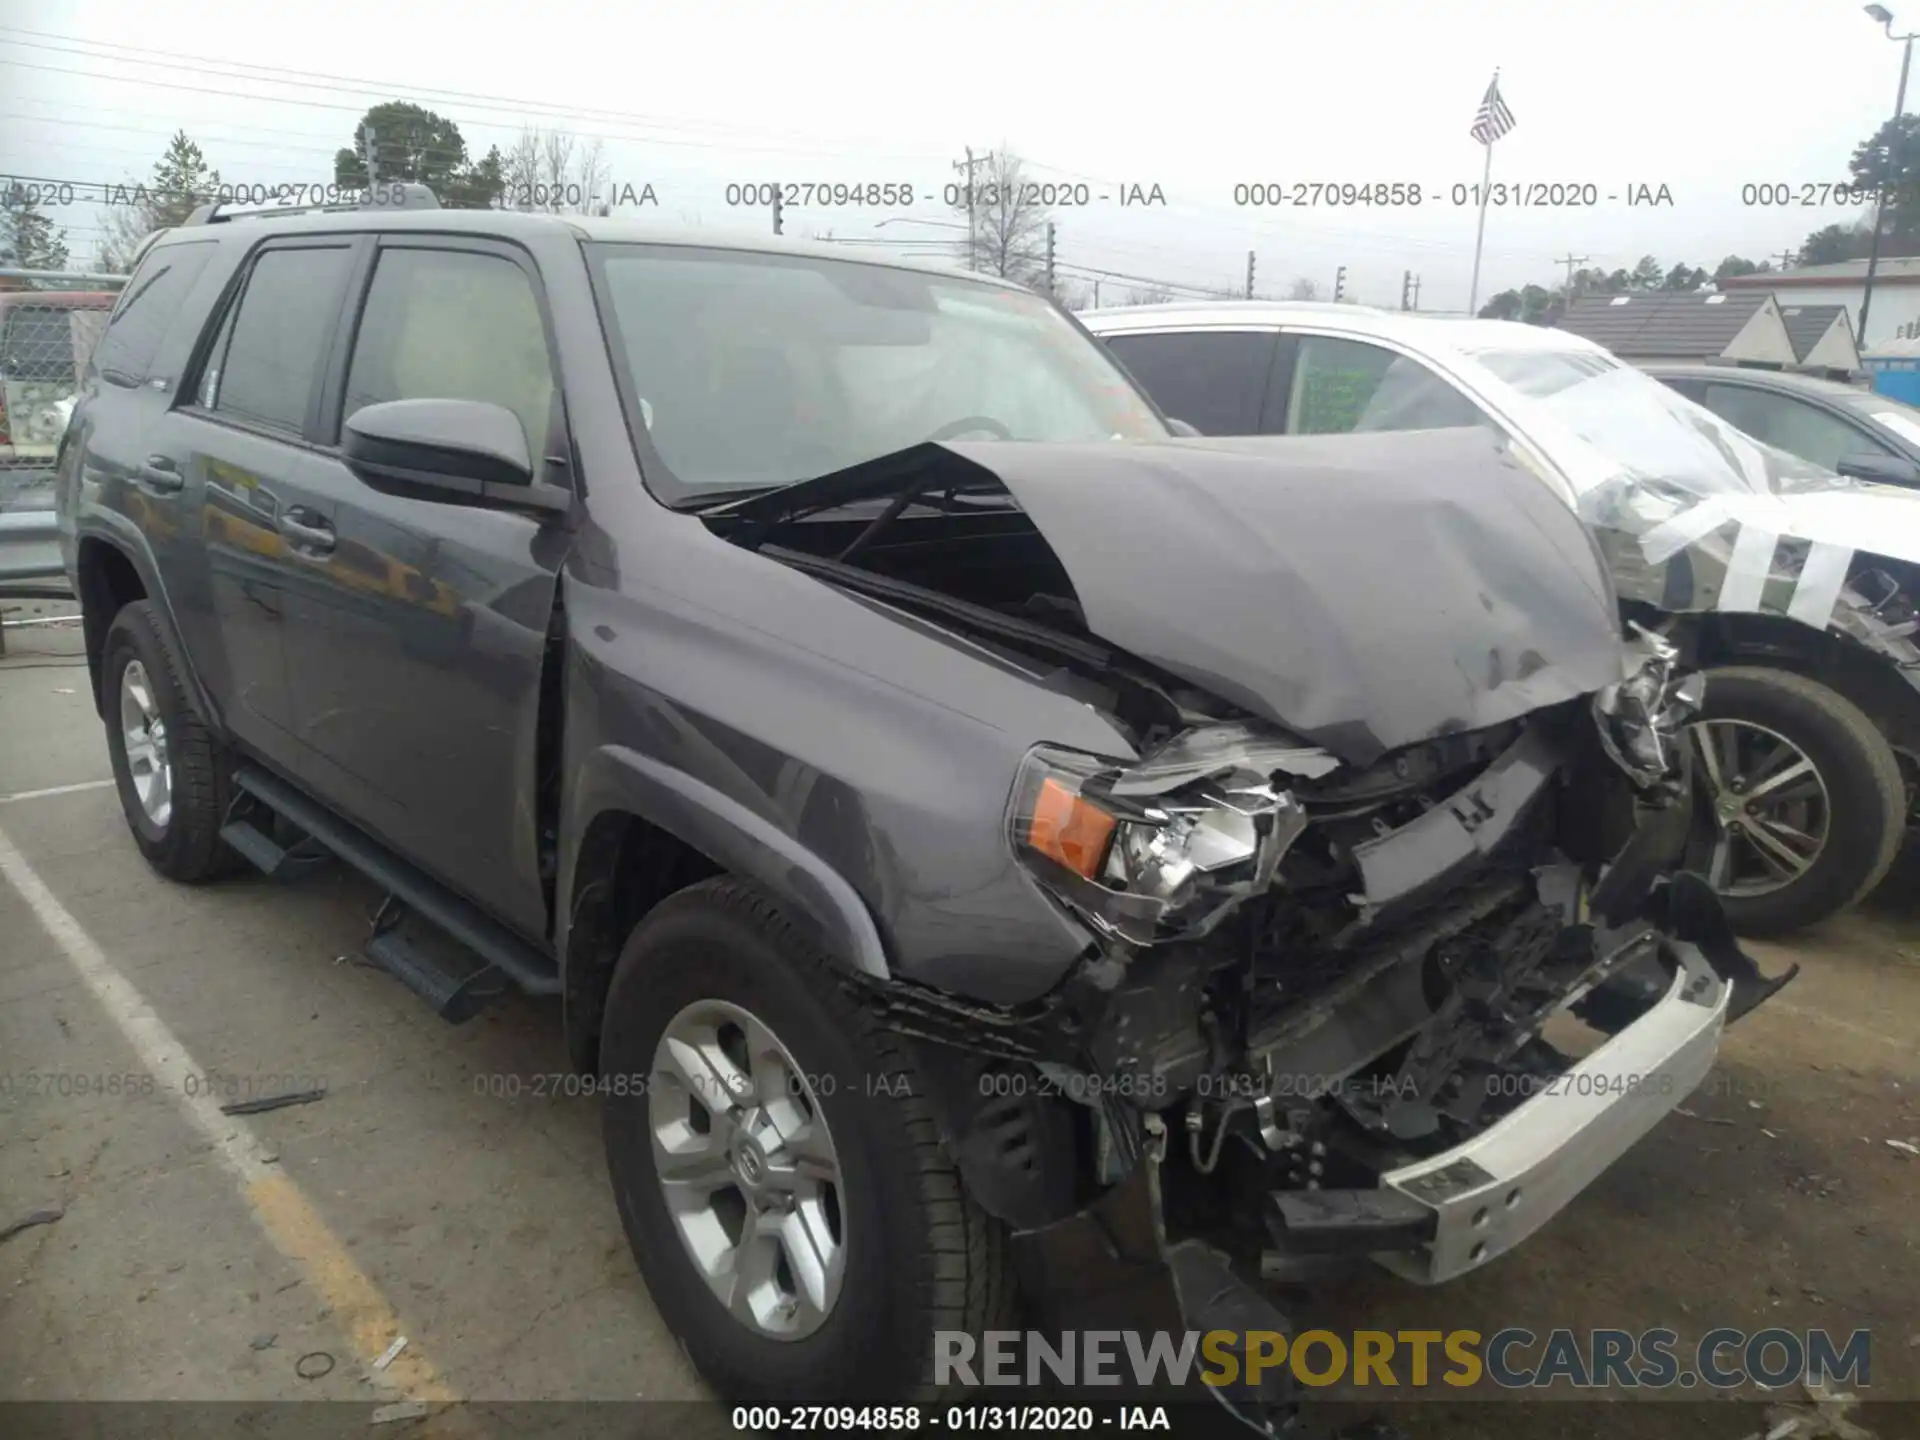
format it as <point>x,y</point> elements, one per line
<point>1163,848</point>
<point>1643,718</point>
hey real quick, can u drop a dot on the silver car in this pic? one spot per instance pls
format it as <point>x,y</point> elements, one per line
<point>1794,586</point>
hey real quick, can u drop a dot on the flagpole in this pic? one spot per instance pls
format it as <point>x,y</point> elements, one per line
<point>1480,234</point>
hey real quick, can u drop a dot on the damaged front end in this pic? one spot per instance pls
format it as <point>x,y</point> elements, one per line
<point>1369,839</point>
<point>1312,1027</point>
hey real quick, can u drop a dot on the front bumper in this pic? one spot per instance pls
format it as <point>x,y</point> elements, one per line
<point>1490,1193</point>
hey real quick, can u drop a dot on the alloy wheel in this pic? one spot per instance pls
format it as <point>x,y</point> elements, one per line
<point>1771,811</point>
<point>144,732</point>
<point>748,1168</point>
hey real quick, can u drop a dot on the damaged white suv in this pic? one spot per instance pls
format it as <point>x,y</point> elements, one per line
<point>1792,587</point>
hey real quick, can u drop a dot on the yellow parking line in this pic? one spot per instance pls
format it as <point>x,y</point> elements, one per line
<point>369,1322</point>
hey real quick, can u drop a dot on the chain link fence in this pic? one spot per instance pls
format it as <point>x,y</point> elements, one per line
<point>50,322</point>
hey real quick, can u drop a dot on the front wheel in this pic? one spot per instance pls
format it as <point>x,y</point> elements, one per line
<point>1806,798</point>
<point>777,1169</point>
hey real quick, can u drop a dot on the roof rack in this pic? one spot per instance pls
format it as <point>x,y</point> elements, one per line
<point>397,196</point>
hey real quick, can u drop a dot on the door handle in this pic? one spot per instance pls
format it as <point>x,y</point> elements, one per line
<point>314,535</point>
<point>161,475</point>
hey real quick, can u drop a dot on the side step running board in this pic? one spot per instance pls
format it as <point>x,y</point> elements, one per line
<point>268,855</point>
<point>456,998</point>
<point>499,947</point>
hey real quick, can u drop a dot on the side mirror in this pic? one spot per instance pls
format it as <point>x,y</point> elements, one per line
<point>1181,428</point>
<point>460,452</point>
<point>1879,469</point>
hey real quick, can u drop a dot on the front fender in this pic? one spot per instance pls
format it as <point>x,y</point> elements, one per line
<point>734,837</point>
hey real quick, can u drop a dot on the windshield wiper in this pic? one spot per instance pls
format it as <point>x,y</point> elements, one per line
<point>915,472</point>
<point>720,499</point>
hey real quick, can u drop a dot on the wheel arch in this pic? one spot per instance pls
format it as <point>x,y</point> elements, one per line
<point>1843,665</point>
<point>642,831</point>
<point>109,574</point>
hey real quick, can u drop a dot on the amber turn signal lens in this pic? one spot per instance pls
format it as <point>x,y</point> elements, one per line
<point>1069,829</point>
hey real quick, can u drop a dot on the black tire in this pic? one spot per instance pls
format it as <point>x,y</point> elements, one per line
<point>921,1256</point>
<point>187,847</point>
<point>1867,798</point>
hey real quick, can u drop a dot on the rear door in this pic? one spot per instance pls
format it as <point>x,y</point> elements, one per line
<point>414,659</point>
<point>1215,380</point>
<point>226,456</point>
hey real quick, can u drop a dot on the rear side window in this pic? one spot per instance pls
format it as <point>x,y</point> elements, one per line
<point>263,367</point>
<point>1213,380</point>
<point>453,325</point>
<point>148,307</point>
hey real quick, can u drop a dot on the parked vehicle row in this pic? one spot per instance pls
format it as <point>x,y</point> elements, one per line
<point>1791,586</point>
<point>1840,428</point>
<point>946,801</point>
<point>45,339</point>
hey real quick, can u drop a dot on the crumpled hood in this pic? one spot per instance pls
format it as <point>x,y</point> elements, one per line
<point>1365,591</point>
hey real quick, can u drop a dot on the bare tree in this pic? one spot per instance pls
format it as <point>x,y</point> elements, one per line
<point>1147,295</point>
<point>554,172</point>
<point>1072,294</point>
<point>1006,223</point>
<point>1304,289</point>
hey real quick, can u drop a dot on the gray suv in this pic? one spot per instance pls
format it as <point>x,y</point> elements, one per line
<point>975,835</point>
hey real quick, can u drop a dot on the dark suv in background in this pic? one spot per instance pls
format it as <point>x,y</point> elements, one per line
<point>947,805</point>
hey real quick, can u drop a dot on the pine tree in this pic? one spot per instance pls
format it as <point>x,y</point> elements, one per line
<point>182,181</point>
<point>28,239</point>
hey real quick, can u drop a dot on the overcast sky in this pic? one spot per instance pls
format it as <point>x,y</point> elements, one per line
<point>1701,96</point>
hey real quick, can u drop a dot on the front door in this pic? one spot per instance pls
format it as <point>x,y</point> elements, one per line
<point>414,659</point>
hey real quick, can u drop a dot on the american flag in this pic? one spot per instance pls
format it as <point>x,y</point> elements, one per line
<point>1494,119</point>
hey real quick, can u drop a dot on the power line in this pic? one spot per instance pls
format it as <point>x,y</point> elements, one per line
<point>519,109</point>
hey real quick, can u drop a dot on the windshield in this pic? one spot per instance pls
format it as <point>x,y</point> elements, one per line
<point>751,370</point>
<point>1644,429</point>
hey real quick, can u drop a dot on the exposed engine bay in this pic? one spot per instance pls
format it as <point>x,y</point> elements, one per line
<point>1317,966</point>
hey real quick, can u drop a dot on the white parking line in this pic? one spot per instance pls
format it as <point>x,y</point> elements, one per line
<point>282,1210</point>
<point>55,790</point>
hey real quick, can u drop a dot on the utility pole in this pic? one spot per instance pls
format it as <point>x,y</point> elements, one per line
<point>371,144</point>
<point>1096,292</point>
<point>1050,287</point>
<point>1416,292</point>
<point>1570,260</point>
<point>1250,274</point>
<point>1785,257</point>
<point>1406,290</point>
<point>1340,284</point>
<point>777,217</point>
<point>1893,174</point>
<point>973,245</point>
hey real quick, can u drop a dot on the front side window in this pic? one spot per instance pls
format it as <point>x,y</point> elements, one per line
<point>1212,379</point>
<point>453,325</point>
<point>277,341</point>
<point>1793,425</point>
<point>747,370</point>
<point>1347,386</point>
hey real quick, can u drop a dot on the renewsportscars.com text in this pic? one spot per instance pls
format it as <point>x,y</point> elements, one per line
<point>1513,1358</point>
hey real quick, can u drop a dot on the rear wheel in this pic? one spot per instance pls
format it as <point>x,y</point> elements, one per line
<point>778,1171</point>
<point>1806,797</point>
<point>171,774</point>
